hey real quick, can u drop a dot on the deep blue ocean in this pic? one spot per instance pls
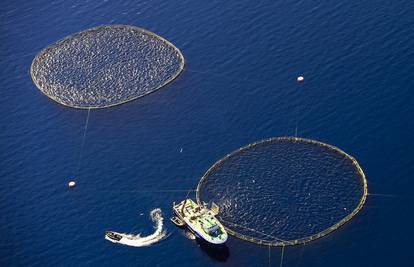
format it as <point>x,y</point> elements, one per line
<point>238,86</point>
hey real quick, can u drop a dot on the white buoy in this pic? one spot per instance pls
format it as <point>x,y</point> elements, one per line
<point>72,184</point>
<point>300,79</point>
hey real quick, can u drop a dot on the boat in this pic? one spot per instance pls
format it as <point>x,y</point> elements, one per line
<point>201,221</point>
<point>113,236</point>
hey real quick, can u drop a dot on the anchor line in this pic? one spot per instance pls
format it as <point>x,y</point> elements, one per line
<point>83,142</point>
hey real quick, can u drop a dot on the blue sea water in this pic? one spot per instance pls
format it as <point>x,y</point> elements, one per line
<point>238,86</point>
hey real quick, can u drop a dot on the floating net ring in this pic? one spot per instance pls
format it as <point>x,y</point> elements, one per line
<point>284,191</point>
<point>105,66</point>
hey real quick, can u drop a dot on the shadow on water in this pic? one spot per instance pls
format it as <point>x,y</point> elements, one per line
<point>219,253</point>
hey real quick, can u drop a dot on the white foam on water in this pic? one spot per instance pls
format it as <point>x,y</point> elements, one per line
<point>189,235</point>
<point>138,241</point>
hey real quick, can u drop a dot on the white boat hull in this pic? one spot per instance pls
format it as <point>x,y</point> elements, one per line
<point>195,217</point>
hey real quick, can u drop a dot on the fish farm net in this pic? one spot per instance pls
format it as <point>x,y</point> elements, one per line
<point>284,191</point>
<point>105,66</point>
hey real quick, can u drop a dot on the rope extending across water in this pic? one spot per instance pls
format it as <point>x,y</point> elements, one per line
<point>83,143</point>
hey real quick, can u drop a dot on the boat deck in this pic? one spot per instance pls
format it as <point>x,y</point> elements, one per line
<point>191,210</point>
<point>200,220</point>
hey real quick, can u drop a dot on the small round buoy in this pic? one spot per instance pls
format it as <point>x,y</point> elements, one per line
<point>300,79</point>
<point>72,184</point>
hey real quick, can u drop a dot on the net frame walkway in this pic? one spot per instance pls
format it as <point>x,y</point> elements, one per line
<point>280,242</point>
<point>41,86</point>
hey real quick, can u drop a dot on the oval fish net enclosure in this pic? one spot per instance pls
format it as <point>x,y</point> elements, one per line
<point>284,191</point>
<point>105,66</point>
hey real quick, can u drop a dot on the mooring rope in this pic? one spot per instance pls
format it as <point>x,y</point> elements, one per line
<point>298,89</point>
<point>148,192</point>
<point>296,120</point>
<point>253,230</point>
<point>389,195</point>
<point>281,257</point>
<point>301,256</point>
<point>268,263</point>
<point>155,191</point>
<point>83,142</point>
<point>189,190</point>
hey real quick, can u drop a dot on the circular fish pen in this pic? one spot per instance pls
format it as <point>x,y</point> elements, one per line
<point>105,66</point>
<point>284,191</point>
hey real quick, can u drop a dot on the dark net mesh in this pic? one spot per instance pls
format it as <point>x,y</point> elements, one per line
<point>105,66</point>
<point>284,191</point>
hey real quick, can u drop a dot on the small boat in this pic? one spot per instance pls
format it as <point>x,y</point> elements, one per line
<point>201,221</point>
<point>112,235</point>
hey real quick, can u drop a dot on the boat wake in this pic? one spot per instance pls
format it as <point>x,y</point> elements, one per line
<point>137,240</point>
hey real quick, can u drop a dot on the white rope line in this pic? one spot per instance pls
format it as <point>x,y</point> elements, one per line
<point>83,142</point>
